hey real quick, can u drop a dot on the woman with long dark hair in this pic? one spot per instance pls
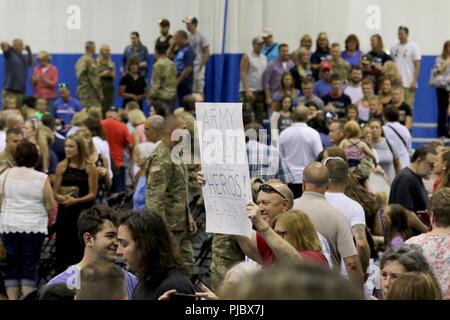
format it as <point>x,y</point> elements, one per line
<point>149,251</point>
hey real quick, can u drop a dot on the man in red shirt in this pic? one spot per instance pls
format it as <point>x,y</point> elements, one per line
<point>118,138</point>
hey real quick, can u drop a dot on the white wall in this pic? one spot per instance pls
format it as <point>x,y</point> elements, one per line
<point>428,21</point>
<point>42,23</point>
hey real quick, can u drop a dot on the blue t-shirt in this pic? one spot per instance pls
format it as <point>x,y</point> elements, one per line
<point>277,96</point>
<point>65,110</point>
<point>354,60</point>
<point>271,52</point>
<point>139,194</point>
<point>185,58</point>
<point>16,71</point>
<point>322,88</point>
<point>71,277</point>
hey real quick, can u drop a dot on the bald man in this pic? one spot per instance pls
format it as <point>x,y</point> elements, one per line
<point>273,199</point>
<point>167,189</point>
<point>329,221</point>
<point>299,145</point>
<point>153,127</point>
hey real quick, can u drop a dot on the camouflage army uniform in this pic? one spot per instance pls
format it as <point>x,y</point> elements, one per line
<point>167,195</point>
<point>225,254</point>
<point>164,83</point>
<point>89,89</point>
<point>342,68</point>
<point>193,160</point>
<point>6,161</point>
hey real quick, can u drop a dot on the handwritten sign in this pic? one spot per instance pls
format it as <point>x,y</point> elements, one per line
<point>224,163</point>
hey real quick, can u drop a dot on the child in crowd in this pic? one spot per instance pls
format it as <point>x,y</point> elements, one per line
<point>352,113</point>
<point>286,118</point>
<point>352,145</point>
<point>41,108</point>
<point>10,103</point>
<point>396,227</point>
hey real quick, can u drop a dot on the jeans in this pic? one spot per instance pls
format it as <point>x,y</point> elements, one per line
<point>118,180</point>
<point>23,253</point>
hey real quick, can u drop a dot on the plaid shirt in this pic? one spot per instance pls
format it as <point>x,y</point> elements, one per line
<point>266,162</point>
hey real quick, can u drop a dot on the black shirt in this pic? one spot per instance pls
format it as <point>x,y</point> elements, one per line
<point>174,279</point>
<point>133,86</point>
<point>379,58</point>
<point>164,44</point>
<point>341,102</point>
<point>408,190</point>
<point>319,56</point>
<point>404,110</point>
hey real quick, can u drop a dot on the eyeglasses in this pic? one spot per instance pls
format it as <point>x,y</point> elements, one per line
<point>332,158</point>
<point>62,85</point>
<point>269,189</point>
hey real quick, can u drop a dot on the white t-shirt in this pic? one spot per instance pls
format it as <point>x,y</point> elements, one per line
<point>393,131</point>
<point>351,209</point>
<point>355,93</point>
<point>2,140</point>
<point>102,147</point>
<point>404,56</point>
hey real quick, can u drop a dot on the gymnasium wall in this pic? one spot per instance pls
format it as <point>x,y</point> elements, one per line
<point>62,26</point>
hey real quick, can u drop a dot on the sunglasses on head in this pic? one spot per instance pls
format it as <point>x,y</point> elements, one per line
<point>62,85</point>
<point>333,158</point>
<point>269,189</point>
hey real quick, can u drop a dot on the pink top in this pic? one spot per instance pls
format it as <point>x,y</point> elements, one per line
<point>140,130</point>
<point>436,249</point>
<point>41,89</point>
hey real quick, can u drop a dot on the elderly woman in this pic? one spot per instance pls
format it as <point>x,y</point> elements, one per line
<point>27,198</point>
<point>44,79</point>
<point>436,243</point>
<point>396,261</point>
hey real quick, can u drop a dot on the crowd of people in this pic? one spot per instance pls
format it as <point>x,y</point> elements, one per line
<point>343,207</point>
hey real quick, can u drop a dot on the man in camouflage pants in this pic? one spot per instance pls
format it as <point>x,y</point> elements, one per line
<point>167,189</point>
<point>89,89</point>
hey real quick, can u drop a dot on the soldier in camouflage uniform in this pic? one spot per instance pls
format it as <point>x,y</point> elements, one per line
<point>167,189</point>
<point>89,89</point>
<point>192,160</point>
<point>225,254</point>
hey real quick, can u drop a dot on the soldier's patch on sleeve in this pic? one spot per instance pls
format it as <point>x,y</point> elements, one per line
<point>155,168</point>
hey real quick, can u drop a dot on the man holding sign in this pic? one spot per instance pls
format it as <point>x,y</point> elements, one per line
<point>225,167</point>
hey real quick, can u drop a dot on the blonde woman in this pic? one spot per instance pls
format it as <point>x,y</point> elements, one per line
<point>107,72</point>
<point>42,137</point>
<point>291,235</point>
<point>75,187</point>
<point>137,118</point>
<point>101,164</point>
<point>390,71</point>
<point>305,43</point>
<point>44,79</point>
<point>322,52</point>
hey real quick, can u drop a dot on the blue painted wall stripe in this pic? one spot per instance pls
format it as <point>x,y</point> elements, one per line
<point>222,83</point>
